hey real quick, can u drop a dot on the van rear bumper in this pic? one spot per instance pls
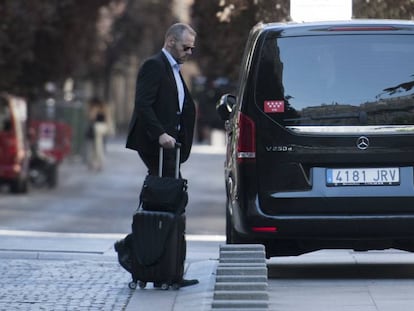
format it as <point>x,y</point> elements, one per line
<point>393,219</point>
<point>341,212</point>
<point>295,235</point>
<point>333,227</point>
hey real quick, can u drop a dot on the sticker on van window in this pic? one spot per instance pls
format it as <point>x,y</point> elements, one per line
<point>274,106</point>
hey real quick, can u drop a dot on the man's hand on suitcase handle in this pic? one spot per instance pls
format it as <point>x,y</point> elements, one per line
<point>167,141</point>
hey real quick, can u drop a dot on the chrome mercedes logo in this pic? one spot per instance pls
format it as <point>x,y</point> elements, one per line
<point>362,143</point>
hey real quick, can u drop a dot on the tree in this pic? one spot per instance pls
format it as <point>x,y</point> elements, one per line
<point>17,35</point>
<point>45,40</point>
<point>140,29</point>
<point>388,9</point>
<point>223,26</point>
<point>51,40</point>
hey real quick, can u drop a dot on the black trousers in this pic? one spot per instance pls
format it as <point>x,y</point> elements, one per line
<point>152,163</point>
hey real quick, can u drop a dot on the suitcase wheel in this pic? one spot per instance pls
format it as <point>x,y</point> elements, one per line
<point>175,286</point>
<point>142,284</point>
<point>132,285</point>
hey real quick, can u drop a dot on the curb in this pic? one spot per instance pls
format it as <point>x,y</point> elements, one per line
<point>241,278</point>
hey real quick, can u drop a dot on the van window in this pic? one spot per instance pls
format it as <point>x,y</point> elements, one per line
<point>348,80</point>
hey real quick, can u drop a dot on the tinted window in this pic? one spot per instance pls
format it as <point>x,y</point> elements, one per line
<point>338,79</point>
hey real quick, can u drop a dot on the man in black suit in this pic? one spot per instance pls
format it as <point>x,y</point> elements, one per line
<point>164,111</point>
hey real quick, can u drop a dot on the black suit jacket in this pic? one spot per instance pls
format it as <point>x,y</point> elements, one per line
<point>156,109</point>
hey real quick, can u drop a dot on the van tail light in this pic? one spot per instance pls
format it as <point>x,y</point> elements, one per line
<point>362,28</point>
<point>246,147</point>
<point>264,229</point>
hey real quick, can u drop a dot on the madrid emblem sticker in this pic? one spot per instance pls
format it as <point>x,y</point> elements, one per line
<point>274,106</point>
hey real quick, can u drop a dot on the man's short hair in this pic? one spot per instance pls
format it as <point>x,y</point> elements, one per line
<point>176,31</point>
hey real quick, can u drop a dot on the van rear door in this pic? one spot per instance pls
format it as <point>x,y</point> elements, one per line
<point>334,102</point>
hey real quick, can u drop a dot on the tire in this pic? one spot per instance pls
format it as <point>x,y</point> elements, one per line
<point>38,177</point>
<point>132,285</point>
<point>175,286</point>
<point>229,227</point>
<point>232,237</point>
<point>142,284</point>
<point>19,186</point>
<point>52,178</point>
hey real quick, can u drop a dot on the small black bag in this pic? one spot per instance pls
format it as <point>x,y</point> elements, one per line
<point>165,194</point>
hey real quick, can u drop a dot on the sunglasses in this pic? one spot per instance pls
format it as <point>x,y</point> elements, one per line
<point>187,48</point>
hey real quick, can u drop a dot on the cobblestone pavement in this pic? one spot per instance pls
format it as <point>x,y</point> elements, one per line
<point>62,285</point>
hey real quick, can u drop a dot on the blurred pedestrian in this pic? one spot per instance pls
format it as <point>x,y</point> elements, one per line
<point>99,127</point>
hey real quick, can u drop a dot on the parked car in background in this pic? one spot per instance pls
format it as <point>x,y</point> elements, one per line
<point>320,146</point>
<point>14,151</point>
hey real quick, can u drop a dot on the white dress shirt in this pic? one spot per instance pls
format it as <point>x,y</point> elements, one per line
<point>176,70</point>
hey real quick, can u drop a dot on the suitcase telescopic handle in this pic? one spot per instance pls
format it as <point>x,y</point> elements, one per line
<point>177,160</point>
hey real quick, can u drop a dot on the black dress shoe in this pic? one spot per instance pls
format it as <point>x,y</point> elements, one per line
<point>124,255</point>
<point>119,246</point>
<point>185,282</point>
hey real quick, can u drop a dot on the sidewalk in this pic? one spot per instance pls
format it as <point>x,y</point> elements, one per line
<point>69,271</point>
<point>64,271</point>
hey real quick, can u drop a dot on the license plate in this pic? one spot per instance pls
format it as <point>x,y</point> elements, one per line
<point>384,176</point>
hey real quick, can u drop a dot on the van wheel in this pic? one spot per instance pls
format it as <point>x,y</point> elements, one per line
<point>232,237</point>
<point>19,186</point>
<point>229,227</point>
<point>52,178</point>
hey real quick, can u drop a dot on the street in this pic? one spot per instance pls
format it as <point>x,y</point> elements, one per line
<point>90,202</point>
<point>335,280</point>
<point>61,239</point>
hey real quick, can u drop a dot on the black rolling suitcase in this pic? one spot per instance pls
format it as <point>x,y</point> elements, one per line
<point>158,237</point>
<point>159,249</point>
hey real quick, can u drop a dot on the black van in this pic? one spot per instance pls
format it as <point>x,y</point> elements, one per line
<point>320,148</point>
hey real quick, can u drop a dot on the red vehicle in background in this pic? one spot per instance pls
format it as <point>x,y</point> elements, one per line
<point>14,148</point>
